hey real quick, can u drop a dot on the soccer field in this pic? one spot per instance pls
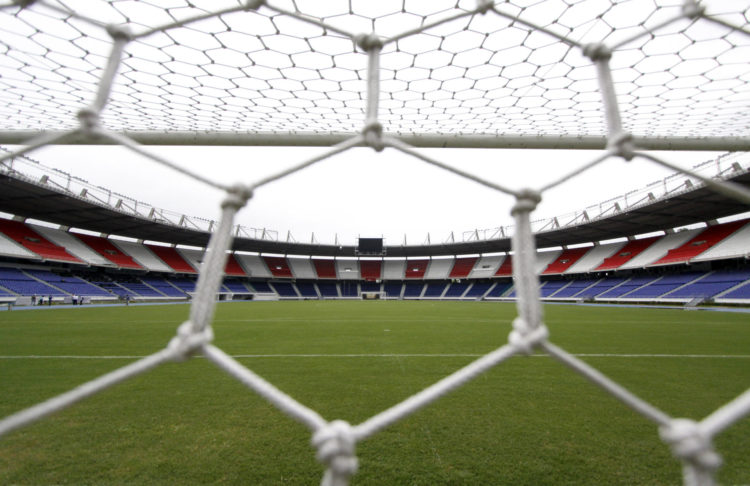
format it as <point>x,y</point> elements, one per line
<point>528,421</point>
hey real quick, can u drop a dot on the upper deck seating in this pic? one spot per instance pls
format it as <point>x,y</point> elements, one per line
<point>663,285</point>
<point>73,245</point>
<point>302,267</point>
<point>595,257</point>
<point>71,285</point>
<point>35,242</point>
<point>325,268</point>
<point>109,251</point>
<point>506,268</point>
<point>416,268</point>
<point>278,266</point>
<point>233,268</point>
<point>456,290</point>
<point>659,248</point>
<point>9,247</point>
<point>253,265</point>
<point>462,267</point>
<point>347,269</point>
<point>700,243</point>
<point>486,266</point>
<point>438,268</point>
<point>736,245</point>
<point>565,260</point>
<point>22,284</point>
<point>171,257</point>
<point>142,255</point>
<point>712,284</point>
<point>434,290</point>
<point>627,287</point>
<point>631,249</point>
<point>370,270</point>
<point>394,269</point>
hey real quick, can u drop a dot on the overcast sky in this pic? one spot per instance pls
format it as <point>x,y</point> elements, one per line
<point>361,192</point>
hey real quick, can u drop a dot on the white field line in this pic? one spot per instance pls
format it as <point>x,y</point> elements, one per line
<point>408,355</point>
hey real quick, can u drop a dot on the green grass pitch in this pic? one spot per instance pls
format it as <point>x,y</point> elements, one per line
<point>528,421</point>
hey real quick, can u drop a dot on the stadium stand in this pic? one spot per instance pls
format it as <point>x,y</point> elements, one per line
<point>69,284</point>
<point>301,267</point>
<point>736,245</point>
<point>347,269</point>
<point>140,289</point>
<point>329,290</point>
<point>394,269</point>
<point>434,290</point>
<point>413,290</point>
<point>574,288</point>
<point>478,290</point>
<point>630,250</point>
<point>565,260</point>
<point>307,290</point>
<point>456,290</point>
<point>462,267</point>
<point>9,248</point>
<point>416,268</point>
<point>325,268</point>
<point>739,294</point>
<point>506,267</point>
<point>171,257</point>
<point>658,249</point>
<point>393,290</point>
<point>486,266</point>
<point>236,286</point>
<point>233,268</point>
<point>499,290</point>
<point>185,284</point>
<point>700,243</point>
<point>254,266</point>
<point>21,283</point>
<point>35,242</point>
<point>438,268</point>
<point>663,285</point>
<point>73,246</point>
<point>370,269</point>
<point>550,287</point>
<point>711,284</point>
<point>349,289</point>
<point>600,287</point>
<point>285,290</point>
<point>142,255</point>
<point>106,249</point>
<point>193,256</point>
<point>278,266</point>
<point>163,287</point>
<point>626,287</point>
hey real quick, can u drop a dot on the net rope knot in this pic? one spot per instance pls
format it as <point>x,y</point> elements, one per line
<point>237,196</point>
<point>691,444</point>
<point>526,201</point>
<point>692,9</point>
<point>524,337</point>
<point>597,52</point>
<point>188,340</point>
<point>622,145</point>
<point>119,32</point>
<point>254,4</point>
<point>368,42</point>
<point>484,6</point>
<point>373,134</point>
<point>335,446</point>
<point>89,119</point>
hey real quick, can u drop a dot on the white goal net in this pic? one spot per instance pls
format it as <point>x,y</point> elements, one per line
<point>619,76</point>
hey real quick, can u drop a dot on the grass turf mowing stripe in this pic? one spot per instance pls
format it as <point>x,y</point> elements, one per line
<point>408,355</point>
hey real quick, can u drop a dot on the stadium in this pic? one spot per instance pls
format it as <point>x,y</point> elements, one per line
<point>139,345</point>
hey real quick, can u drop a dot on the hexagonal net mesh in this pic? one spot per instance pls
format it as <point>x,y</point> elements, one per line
<point>622,76</point>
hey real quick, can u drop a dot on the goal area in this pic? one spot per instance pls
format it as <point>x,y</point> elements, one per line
<point>621,77</point>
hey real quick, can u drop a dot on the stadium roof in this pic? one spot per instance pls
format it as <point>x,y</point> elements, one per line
<point>693,204</point>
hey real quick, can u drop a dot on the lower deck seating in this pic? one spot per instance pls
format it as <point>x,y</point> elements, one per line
<point>328,289</point>
<point>71,285</point>
<point>21,283</point>
<point>575,287</point>
<point>307,290</point>
<point>163,287</point>
<point>456,290</point>
<point>284,289</point>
